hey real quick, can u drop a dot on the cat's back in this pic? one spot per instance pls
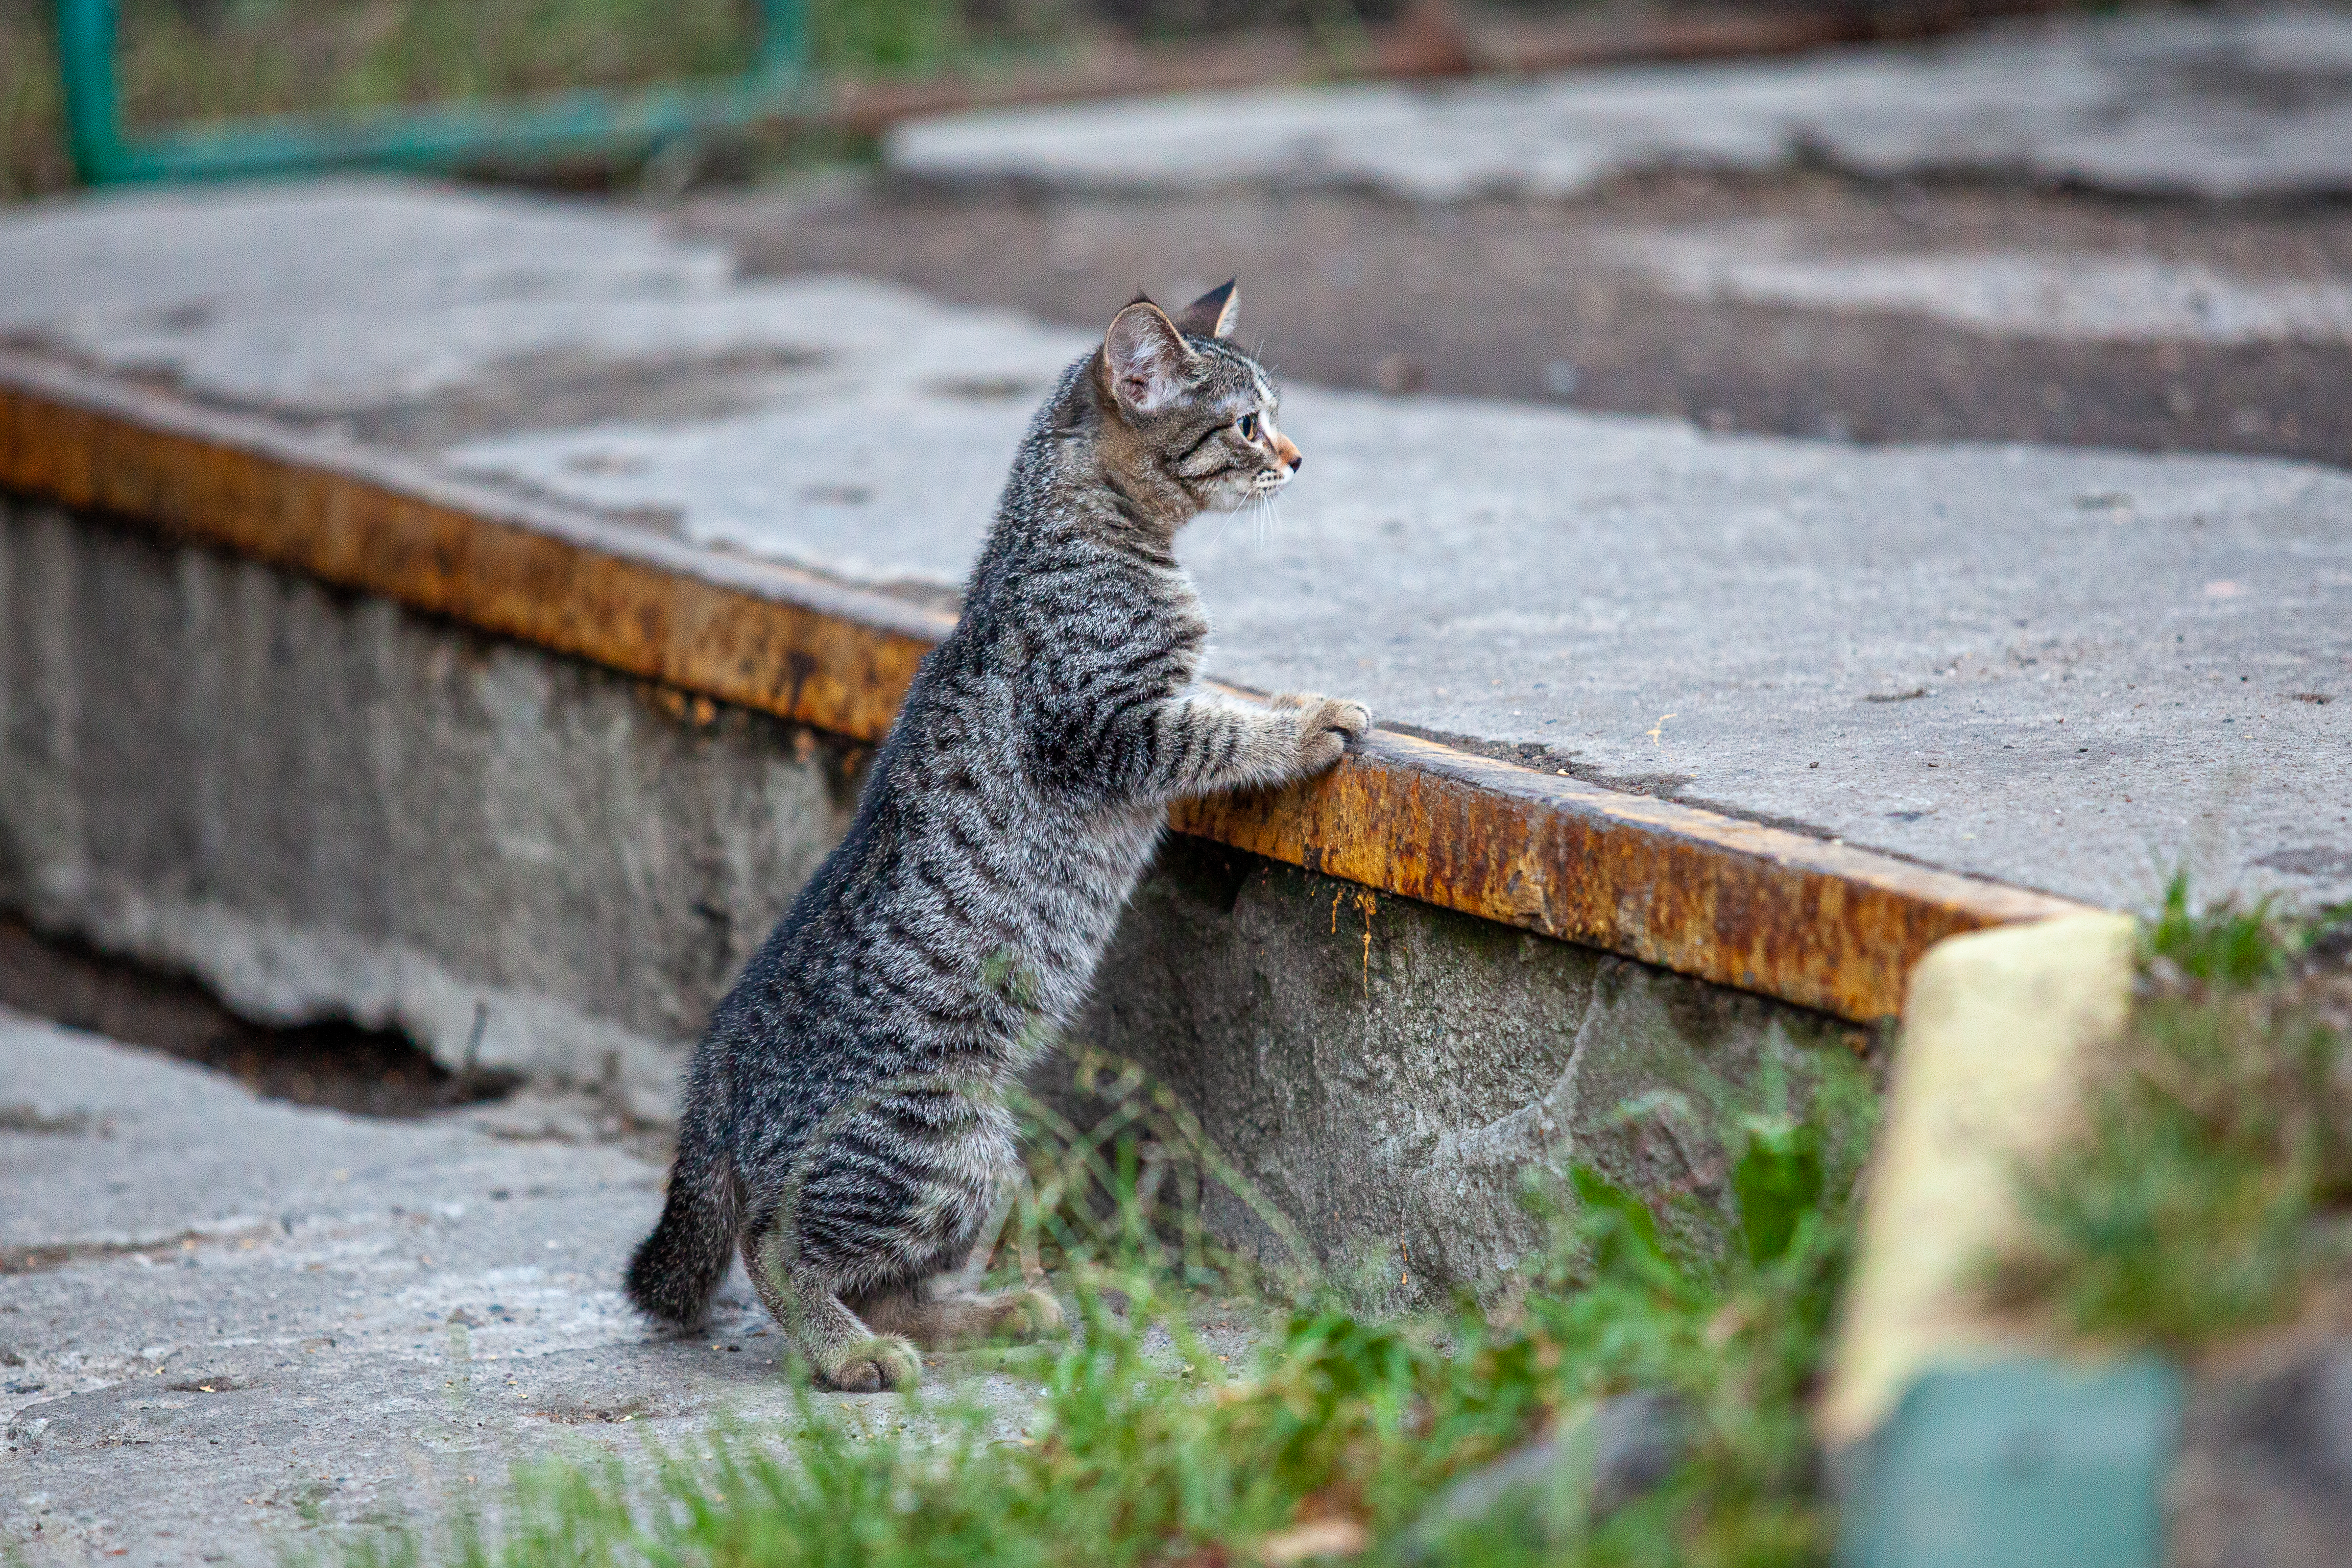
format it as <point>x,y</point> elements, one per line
<point>976,886</point>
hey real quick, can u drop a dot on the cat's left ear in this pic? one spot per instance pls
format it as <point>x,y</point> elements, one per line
<point>1146,357</point>
<point>1212,315</point>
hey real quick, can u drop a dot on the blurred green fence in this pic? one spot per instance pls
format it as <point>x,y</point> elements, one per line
<point>577,123</point>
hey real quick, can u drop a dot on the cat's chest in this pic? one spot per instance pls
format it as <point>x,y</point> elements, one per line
<point>1154,623</point>
<point>1184,623</point>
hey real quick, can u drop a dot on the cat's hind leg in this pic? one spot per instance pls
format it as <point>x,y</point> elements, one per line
<point>844,1352</point>
<point>933,1317</point>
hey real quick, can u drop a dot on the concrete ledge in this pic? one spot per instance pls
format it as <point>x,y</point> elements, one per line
<point>327,805</point>
<point>1790,916</point>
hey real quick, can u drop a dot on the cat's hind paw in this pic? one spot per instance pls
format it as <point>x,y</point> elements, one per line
<point>1024,1315</point>
<point>873,1366</point>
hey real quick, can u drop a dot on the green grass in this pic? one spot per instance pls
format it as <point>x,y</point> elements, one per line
<point>2207,1188</point>
<point>1143,1447</point>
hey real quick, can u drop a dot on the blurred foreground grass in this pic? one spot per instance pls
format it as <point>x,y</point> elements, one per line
<point>2208,1191</point>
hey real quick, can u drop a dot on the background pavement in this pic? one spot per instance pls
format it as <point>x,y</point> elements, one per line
<point>2251,104</point>
<point>1799,303</point>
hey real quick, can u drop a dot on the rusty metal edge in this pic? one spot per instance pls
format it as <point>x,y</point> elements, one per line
<point>1763,909</point>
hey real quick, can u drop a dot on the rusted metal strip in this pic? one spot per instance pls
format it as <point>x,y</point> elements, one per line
<point>1760,909</point>
<point>1764,909</point>
<point>745,632</point>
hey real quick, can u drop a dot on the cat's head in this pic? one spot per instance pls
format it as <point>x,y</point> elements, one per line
<point>1191,415</point>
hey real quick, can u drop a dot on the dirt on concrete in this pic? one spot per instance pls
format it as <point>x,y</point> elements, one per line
<point>339,1065</point>
<point>1550,301</point>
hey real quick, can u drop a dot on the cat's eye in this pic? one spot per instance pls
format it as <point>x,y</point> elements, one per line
<point>1247,425</point>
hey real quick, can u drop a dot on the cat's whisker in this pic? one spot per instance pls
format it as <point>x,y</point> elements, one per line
<point>1265,519</point>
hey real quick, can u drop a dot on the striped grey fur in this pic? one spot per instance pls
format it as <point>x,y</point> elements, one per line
<point>843,1121</point>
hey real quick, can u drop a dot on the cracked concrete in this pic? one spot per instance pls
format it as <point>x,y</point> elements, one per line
<point>2063,668</point>
<point>2068,669</point>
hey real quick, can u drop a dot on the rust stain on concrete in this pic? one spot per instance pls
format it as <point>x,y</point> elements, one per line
<point>1736,903</point>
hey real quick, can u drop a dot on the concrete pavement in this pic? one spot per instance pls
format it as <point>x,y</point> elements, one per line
<point>230,1326</point>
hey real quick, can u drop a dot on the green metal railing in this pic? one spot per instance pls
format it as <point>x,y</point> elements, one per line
<point>441,136</point>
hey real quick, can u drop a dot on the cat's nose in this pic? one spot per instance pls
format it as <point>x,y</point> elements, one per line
<point>1298,460</point>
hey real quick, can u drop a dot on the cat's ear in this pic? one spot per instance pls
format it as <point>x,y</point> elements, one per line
<point>1212,315</point>
<point>1146,357</point>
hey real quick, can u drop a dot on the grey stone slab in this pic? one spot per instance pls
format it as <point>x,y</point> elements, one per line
<point>2067,669</point>
<point>2231,105</point>
<point>328,1322</point>
<point>356,296</point>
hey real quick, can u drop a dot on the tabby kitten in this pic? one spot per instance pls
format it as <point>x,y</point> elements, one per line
<point>844,1122</point>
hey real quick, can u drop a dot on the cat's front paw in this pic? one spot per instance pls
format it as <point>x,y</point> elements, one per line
<point>873,1366</point>
<point>1326,725</point>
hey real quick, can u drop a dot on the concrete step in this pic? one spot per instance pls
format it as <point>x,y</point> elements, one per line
<point>1791,632</point>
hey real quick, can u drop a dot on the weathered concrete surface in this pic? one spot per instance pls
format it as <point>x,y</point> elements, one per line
<point>329,807</point>
<point>2060,669</point>
<point>230,1325</point>
<point>382,296</point>
<point>1804,303</point>
<point>1388,1076</point>
<point>2251,104</point>
<point>2064,669</point>
<point>535,864</point>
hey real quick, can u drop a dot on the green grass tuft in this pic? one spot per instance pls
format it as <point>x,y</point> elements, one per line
<point>2224,945</point>
<point>2205,1190</point>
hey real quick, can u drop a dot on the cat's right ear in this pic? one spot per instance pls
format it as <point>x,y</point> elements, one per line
<point>1146,357</point>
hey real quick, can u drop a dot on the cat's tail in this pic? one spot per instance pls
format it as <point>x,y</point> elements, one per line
<point>677,1269</point>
